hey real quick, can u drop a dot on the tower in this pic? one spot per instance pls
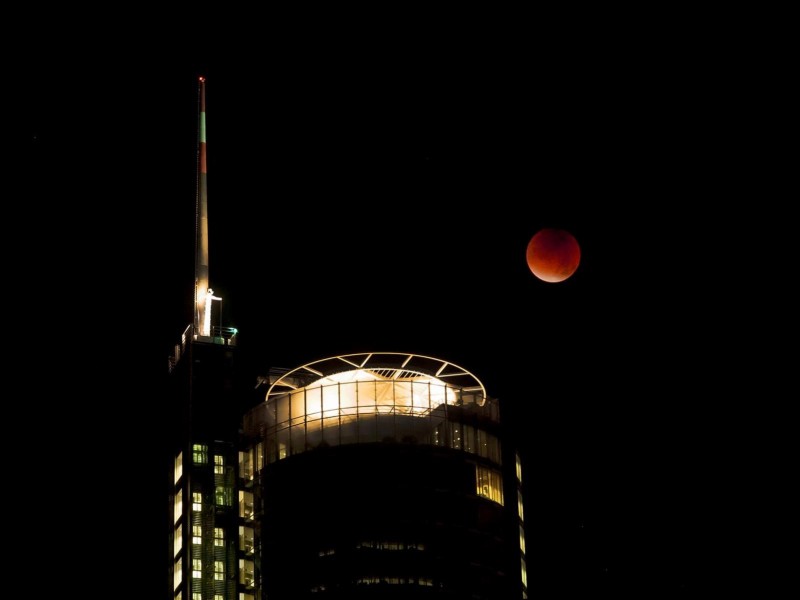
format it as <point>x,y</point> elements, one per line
<point>381,475</point>
<point>203,515</point>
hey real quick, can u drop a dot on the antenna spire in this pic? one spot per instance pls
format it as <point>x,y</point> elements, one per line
<point>202,294</point>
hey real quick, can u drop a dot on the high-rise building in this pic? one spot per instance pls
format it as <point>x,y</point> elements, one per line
<point>204,515</point>
<point>382,475</point>
<point>374,475</point>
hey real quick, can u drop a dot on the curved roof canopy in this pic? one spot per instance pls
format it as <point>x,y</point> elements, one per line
<point>375,366</point>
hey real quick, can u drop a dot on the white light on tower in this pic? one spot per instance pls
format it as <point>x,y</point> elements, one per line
<point>210,297</point>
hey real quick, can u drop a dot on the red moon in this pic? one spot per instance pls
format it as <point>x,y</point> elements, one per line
<point>553,255</point>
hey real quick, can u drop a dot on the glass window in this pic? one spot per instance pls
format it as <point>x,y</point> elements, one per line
<point>246,573</point>
<point>246,504</point>
<point>469,439</point>
<point>222,496</point>
<point>219,465</point>
<point>246,464</point>
<point>455,436</point>
<point>219,570</point>
<point>522,539</point>
<point>520,508</point>
<point>178,467</point>
<point>438,437</point>
<point>298,438</point>
<point>219,597</point>
<point>313,400</point>
<point>178,505</point>
<point>524,573</point>
<point>197,596</point>
<point>488,446</point>
<point>283,409</point>
<point>494,449</point>
<point>489,483</point>
<point>197,534</point>
<point>519,469</point>
<point>178,542</point>
<point>483,444</point>
<point>200,454</point>
<point>283,443</point>
<point>297,406</point>
<point>177,574</point>
<point>246,542</point>
<point>197,501</point>
<point>259,456</point>
<point>197,568</point>
<point>179,596</point>
<point>219,536</point>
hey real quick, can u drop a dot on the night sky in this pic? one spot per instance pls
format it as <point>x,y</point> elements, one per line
<point>380,198</point>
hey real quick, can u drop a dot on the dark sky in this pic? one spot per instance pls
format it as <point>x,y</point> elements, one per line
<point>380,198</point>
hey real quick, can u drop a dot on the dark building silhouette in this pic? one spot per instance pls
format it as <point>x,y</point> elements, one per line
<point>383,475</point>
<point>374,475</point>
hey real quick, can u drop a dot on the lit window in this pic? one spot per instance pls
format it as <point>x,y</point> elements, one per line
<point>489,483</point>
<point>522,539</point>
<point>243,596</point>
<point>222,496</point>
<point>246,573</point>
<point>520,508</point>
<point>259,456</point>
<point>246,464</point>
<point>177,574</point>
<point>178,540</point>
<point>219,570</point>
<point>524,573</point>
<point>219,464</point>
<point>178,467</point>
<point>219,597</point>
<point>200,454</point>
<point>246,542</point>
<point>197,568</point>
<point>519,469</point>
<point>179,596</point>
<point>197,596</point>
<point>197,501</point>
<point>283,450</point>
<point>245,504</point>
<point>197,534</point>
<point>219,536</point>
<point>178,505</point>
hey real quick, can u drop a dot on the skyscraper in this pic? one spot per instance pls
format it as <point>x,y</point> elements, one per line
<point>373,475</point>
<point>382,475</point>
<point>203,524</point>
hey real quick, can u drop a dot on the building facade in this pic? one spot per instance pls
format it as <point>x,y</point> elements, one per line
<point>382,475</point>
<point>204,522</point>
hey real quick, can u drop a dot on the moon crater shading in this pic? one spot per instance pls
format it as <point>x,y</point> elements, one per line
<point>553,255</point>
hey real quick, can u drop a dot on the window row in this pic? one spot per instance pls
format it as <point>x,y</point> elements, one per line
<point>361,429</point>
<point>469,439</point>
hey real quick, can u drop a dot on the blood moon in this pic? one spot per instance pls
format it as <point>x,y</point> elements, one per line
<point>553,255</point>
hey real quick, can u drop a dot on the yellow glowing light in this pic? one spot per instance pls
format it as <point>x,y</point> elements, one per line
<point>380,382</point>
<point>373,392</point>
